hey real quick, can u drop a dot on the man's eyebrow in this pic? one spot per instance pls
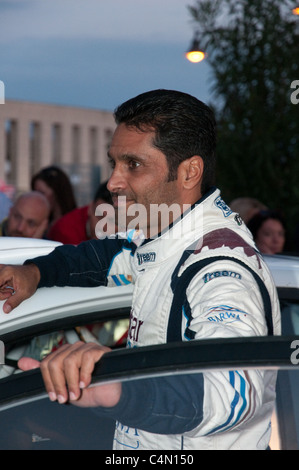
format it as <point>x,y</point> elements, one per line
<point>125,156</point>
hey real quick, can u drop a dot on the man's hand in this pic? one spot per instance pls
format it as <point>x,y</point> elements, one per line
<point>17,283</point>
<point>41,229</point>
<point>67,375</point>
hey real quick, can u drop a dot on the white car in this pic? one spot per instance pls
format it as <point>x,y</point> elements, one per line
<point>58,303</point>
<point>53,316</point>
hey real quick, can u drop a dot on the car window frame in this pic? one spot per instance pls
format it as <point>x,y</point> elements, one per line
<point>195,356</point>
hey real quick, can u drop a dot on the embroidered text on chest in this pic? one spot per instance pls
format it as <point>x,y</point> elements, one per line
<point>146,257</point>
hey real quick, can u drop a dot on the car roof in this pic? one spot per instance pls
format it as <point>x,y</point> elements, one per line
<point>284,269</point>
<point>59,302</point>
<point>62,302</point>
<point>14,250</point>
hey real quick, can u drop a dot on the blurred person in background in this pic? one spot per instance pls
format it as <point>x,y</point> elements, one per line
<point>79,225</point>
<point>268,230</point>
<point>247,207</point>
<point>57,188</point>
<point>28,217</point>
<point>5,205</point>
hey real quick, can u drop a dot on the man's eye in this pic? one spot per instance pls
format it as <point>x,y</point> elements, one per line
<point>133,164</point>
<point>17,217</point>
<point>111,163</point>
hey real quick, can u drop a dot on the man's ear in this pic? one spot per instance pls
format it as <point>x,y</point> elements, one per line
<point>192,172</point>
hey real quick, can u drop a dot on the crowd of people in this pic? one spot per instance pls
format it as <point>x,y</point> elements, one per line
<point>50,211</point>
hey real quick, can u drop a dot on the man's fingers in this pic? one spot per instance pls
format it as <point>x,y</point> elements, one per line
<point>91,355</point>
<point>12,302</point>
<point>27,363</point>
<point>17,283</point>
<point>53,375</point>
<point>59,381</point>
<point>14,298</point>
<point>41,229</point>
<point>5,294</point>
<point>78,366</point>
<point>69,369</point>
<point>6,282</point>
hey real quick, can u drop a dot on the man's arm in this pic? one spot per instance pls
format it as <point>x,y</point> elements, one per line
<point>85,265</point>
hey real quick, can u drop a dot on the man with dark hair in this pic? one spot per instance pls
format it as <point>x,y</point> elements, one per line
<point>196,275</point>
<point>182,128</point>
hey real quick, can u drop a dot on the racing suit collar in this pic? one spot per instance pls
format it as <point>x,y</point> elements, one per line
<point>183,233</point>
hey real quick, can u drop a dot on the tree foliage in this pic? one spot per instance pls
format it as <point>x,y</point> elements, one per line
<point>253,51</point>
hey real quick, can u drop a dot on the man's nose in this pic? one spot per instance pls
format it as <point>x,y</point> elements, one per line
<point>21,226</point>
<point>117,181</point>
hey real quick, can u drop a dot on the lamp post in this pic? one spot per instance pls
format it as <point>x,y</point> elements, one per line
<point>195,54</point>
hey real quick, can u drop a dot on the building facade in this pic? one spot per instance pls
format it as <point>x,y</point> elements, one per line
<point>36,135</point>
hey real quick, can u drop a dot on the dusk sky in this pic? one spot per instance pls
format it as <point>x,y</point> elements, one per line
<point>97,53</point>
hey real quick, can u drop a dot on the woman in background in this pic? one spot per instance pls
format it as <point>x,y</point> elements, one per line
<point>268,230</point>
<point>56,186</point>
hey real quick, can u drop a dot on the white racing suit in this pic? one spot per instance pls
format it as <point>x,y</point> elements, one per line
<point>228,293</point>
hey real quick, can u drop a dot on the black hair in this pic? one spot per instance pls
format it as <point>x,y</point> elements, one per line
<point>60,183</point>
<point>103,193</point>
<point>184,126</point>
<point>255,223</point>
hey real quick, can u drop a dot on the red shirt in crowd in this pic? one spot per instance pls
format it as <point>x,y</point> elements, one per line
<point>71,228</point>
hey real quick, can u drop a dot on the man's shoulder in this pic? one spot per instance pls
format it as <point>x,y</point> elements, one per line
<point>225,238</point>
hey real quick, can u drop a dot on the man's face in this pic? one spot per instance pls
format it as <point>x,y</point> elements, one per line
<point>140,175</point>
<point>27,218</point>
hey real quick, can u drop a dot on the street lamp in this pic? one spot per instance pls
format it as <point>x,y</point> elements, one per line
<point>296,11</point>
<point>195,54</point>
